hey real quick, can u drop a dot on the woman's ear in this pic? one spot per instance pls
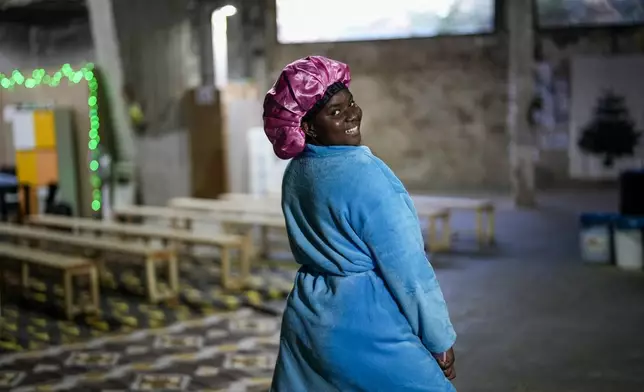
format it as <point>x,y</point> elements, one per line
<point>308,129</point>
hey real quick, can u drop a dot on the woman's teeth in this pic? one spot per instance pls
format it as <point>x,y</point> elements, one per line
<point>351,131</point>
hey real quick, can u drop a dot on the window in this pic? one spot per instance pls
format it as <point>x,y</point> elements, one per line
<point>300,21</point>
<point>565,13</point>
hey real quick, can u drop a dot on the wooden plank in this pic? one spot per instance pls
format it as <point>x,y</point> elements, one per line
<point>484,211</point>
<point>40,257</point>
<point>203,216</point>
<point>149,256</point>
<point>85,242</point>
<point>262,207</point>
<point>71,267</point>
<point>428,205</point>
<point>87,224</point>
<point>432,212</point>
<point>424,209</point>
<point>275,198</point>
<point>452,202</point>
<point>225,242</point>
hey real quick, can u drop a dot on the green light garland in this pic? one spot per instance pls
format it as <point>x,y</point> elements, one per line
<point>40,77</point>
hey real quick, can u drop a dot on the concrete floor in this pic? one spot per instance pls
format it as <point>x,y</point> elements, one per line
<point>532,317</point>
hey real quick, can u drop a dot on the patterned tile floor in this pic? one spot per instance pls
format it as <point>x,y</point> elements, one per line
<point>233,351</point>
<point>32,320</point>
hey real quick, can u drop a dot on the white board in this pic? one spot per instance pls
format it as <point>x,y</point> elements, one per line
<point>266,170</point>
<point>591,77</point>
<point>24,135</point>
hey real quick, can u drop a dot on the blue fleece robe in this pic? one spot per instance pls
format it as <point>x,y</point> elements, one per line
<point>366,310</point>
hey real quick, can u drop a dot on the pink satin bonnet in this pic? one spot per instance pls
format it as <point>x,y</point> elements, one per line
<point>300,85</point>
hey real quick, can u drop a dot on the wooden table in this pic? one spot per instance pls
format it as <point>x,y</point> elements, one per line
<point>255,206</point>
<point>483,208</point>
<point>70,266</point>
<point>173,237</point>
<point>432,213</point>
<point>150,257</point>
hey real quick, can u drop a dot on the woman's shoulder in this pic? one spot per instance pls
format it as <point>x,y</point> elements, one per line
<point>374,176</point>
<point>354,171</point>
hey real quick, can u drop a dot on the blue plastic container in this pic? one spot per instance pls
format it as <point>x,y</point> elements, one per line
<point>596,237</point>
<point>629,247</point>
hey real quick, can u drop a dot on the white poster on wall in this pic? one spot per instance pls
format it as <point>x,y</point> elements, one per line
<point>265,169</point>
<point>591,77</point>
<point>24,135</point>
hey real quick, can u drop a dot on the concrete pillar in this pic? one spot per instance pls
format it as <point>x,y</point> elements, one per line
<point>204,30</point>
<point>522,146</point>
<point>160,57</point>
<point>151,46</point>
<point>122,181</point>
<point>108,59</point>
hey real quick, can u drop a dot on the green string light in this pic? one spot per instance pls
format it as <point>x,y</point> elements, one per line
<point>40,77</point>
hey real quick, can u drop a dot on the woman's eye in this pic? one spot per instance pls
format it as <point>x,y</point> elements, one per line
<point>352,103</point>
<point>335,112</point>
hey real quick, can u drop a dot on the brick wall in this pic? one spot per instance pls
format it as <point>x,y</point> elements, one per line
<point>435,109</point>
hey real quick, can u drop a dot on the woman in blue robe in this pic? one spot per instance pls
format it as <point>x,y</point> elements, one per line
<point>366,312</point>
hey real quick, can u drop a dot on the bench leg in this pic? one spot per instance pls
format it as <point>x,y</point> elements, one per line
<point>151,279</point>
<point>264,250</point>
<point>94,285</point>
<point>490,226</point>
<point>68,287</point>
<point>245,255</point>
<point>187,226</point>
<point>431,235</point>
<point>247,233</point>
<point>480,237</point>
<point>25,276</point>
<point>100,267</point>
<point>173,273</point>
<point>225,268</point>
<point>447,231</point>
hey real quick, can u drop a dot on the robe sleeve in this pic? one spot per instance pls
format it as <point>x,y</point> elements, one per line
<point>392,233</point>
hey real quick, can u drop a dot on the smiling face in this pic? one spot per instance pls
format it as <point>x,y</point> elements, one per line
<point>337,124</point>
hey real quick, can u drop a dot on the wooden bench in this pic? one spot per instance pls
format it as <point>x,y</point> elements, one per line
<point>225,243</point>
<point>272,197</point>
<point>183,218</point>
<point>151,257</point>
<point>433,214</point>
<point>258,211</point>
<point>483,208</point>
<point>70,266</point>
<point>252,207</point>
<point>236,222</point>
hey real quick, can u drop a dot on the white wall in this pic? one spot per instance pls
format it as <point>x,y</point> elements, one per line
<point>164,166</point>
<point>266,170</point>
<point>242,115</point>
